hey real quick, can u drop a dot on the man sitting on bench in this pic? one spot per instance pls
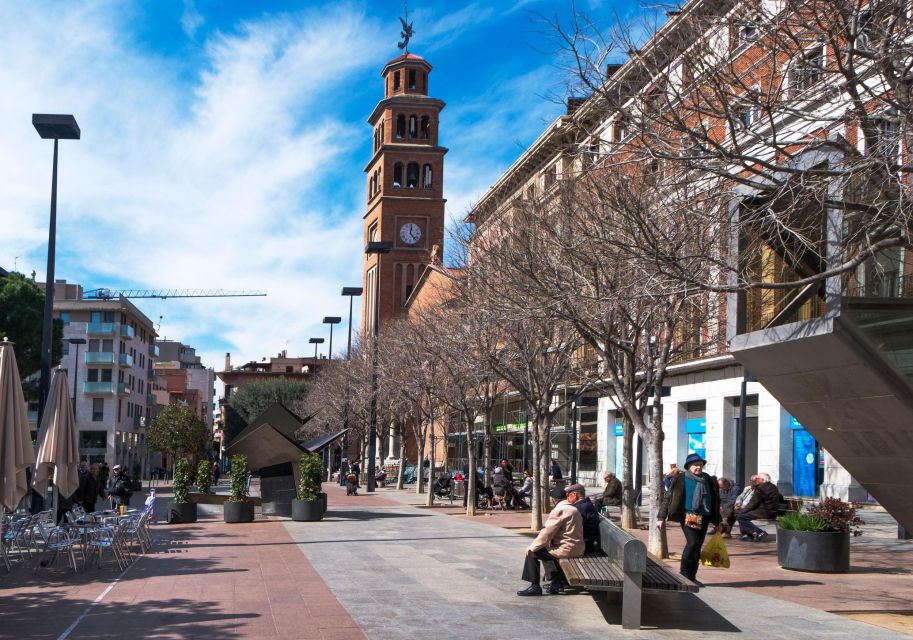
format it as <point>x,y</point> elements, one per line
<point>562,537</point>
<point>762,505</point>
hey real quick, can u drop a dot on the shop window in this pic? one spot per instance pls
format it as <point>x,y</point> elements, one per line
<point>412,175</point>
<point>93,439</point>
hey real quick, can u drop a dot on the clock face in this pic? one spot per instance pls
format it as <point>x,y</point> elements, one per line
<point>410,233</point>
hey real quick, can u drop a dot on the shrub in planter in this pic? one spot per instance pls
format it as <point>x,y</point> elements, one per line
<point>238,508</point>
<point>181,509</point>
<point>204,476</point>
<point>308,505</point>
<point>819,539</point>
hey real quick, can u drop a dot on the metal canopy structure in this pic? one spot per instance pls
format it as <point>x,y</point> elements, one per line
<point>319,444</point>
<point>164,294</point>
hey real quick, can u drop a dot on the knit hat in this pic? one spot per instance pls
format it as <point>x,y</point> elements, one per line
<point>692,459</point>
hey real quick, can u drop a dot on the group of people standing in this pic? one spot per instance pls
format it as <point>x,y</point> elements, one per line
<point>98,483</point>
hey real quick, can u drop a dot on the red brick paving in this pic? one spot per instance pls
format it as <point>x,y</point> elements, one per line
<point>210,579</point>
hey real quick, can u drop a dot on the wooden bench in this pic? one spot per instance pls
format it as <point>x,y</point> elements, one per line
<point>623,566</point>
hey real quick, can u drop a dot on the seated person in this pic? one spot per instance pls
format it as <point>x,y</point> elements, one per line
<point>380,476</point>
<point>501,485</point>
<point>442,485</point>
<point>526,490</point>
<point>611,495</point>
<point>729,492</point>
<point>351,483</point>
<point>589,516</point>
<point>764,503</point>
<point>561,537</point>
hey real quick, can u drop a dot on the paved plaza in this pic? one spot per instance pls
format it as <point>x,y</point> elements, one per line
<point>382,566</point>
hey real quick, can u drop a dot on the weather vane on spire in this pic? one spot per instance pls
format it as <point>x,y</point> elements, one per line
<point>407,33</point>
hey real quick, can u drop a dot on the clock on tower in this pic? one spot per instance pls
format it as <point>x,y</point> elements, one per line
<point>405,185</point>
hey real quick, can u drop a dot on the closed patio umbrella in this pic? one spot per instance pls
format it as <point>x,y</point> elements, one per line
<point>57,446</point>
<point>16,452</point>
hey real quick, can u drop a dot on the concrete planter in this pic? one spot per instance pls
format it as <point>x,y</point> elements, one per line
<point>182,512</point>
<point>238,511</point>
<point>818,551</point>
<point>308,510</point>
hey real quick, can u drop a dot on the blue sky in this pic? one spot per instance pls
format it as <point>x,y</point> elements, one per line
<point>224,143</point>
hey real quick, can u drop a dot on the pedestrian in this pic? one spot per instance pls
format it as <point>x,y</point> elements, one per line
<point>693,500</point>
<point>119,488</point>
<point>216,471</point>
<point>561,537</point>
<point>90,488</point>
<point>670,475</point>
<point>556,470</point>
<point>354,468</point>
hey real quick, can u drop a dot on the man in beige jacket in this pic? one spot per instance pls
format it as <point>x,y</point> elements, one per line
<point>562,537</point>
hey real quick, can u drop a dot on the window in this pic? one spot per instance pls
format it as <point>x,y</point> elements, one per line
<point>396,80</point>
<point>426,176</point>
<point>551,175</point>
<point>412,175</point>
<point>288,369</point>
<point>531,192</point>
<point>864,31</point>
<point>887,142</point>
<point>107,345</point>
<point>747,33</point>
<point>95,317</point>
<point>398,175</point>
<point>619,131</point>
<point>651,171</point>
<point>424,131</point>
<point>591,156</point>
<point>105,375</point>
<point>412,79</point>
<point>749,111</point>
<point>98,409</point>
<point>65,317</point>
<point>808,70</point>
<point>413,127</point>
<point>92,375</point>
<point>400,127</point>
<point>93,439</point>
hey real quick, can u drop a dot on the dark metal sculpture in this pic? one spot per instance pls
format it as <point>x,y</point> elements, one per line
<point>407,32</point>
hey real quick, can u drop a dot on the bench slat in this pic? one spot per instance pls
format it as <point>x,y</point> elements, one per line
<point>597,570</point>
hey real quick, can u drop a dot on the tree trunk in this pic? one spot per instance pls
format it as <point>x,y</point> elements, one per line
<point>657,543</point>
<point>628,521</point>
<point>420,480</point>
<point>535,522</point>
<point>486,449</point>
<point>432,457</point>
<point>401,474</point>
<point>471,472</point>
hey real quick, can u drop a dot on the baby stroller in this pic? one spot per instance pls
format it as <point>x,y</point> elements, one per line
<point>351,484</point>
<point>443,486</point>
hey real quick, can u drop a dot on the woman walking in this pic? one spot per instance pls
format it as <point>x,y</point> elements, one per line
<point>694,501</point>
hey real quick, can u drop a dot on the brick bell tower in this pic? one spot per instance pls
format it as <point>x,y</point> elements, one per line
<point>405,203</point>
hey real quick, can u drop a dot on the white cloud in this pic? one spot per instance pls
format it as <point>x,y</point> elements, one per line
<point>238,190</point>
<point>191,19</point>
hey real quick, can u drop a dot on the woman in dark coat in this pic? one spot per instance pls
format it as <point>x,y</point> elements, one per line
<point>694,501</point>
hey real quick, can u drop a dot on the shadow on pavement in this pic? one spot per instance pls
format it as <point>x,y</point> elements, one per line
<point>785,582</point>
<point>681,611</point>
<point>175,617</point>
<point>341,514</point>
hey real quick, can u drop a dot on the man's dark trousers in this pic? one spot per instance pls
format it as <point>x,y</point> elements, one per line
<point>531,565</point>
<point>746,526</point>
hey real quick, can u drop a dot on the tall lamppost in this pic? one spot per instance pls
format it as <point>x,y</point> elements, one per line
<point>352,293</point>
<point>77,342</point>
<point>331,320</point>
<point>315,342</point>
<point>378,249</point>
<point>54,127</point>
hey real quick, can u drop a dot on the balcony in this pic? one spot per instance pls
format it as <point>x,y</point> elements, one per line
<point>100,329</point>
<point>100,357</point>
<point>150,374</point>
<point>153,351</point>
<point>126,331</point>
<point>123,389</point>
<point>125,360</point>
<point>150,399</point>
<point>98,388</point>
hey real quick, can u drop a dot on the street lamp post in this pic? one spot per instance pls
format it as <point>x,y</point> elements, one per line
<point>331,320</point>
<point>77,342</point>
<point>352,292</point>
<point>315,342</point>
<point>54,127</point>
<point>378,249</point>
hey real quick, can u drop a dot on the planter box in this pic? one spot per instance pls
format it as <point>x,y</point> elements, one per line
<point>818,551</point>
<point>239,511</point>
<point>182,512</point>
<point>307,511</point>
<point>322,497</point>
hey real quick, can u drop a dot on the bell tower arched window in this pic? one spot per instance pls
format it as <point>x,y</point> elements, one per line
<point>412,79</point>
<point>426,176</point>
<point>413,126</point>
<point>398,174</point>
<point>400,127</point>
<point>412,175</point>
<point>424,131</point>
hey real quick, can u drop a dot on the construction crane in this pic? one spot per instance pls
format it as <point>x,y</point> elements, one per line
<point>164,294</point>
